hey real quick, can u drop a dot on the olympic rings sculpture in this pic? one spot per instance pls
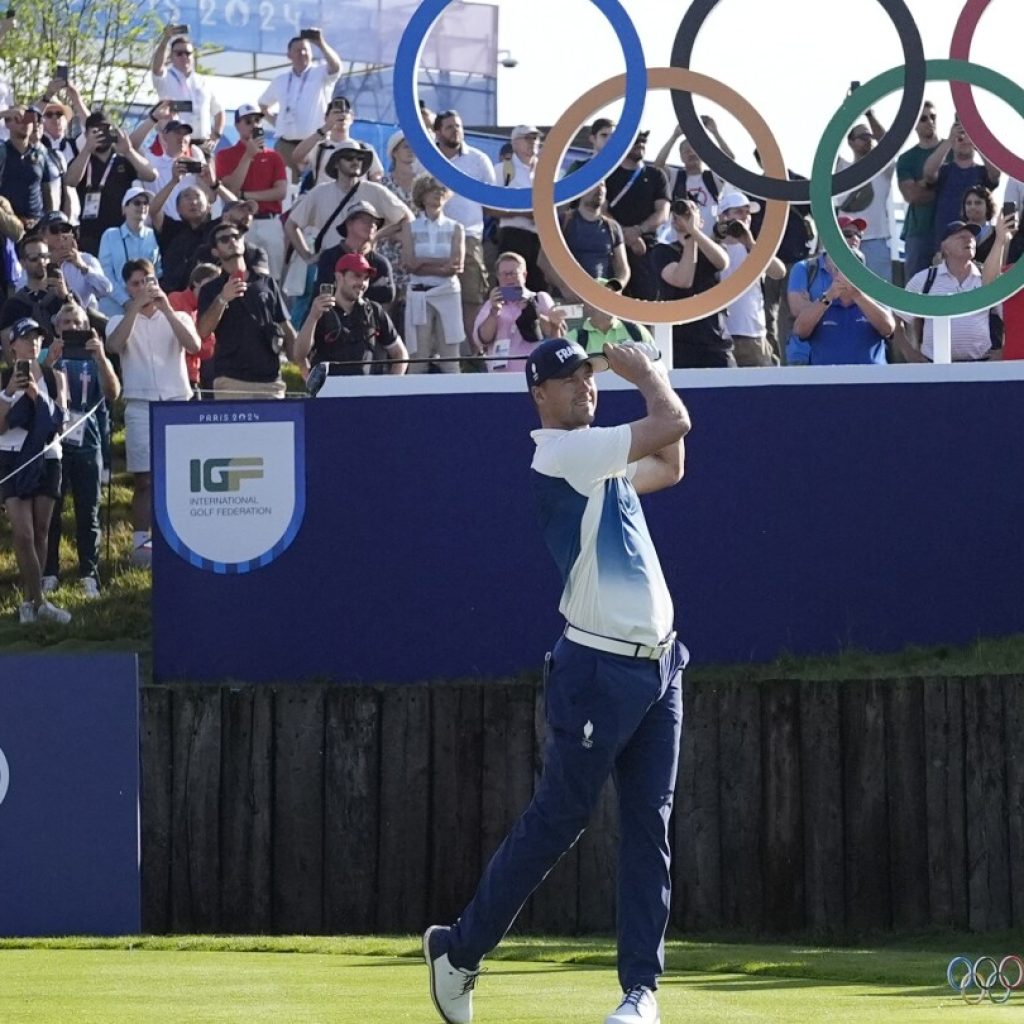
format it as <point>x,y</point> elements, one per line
<point>773,185</point>
<point>980,979</point>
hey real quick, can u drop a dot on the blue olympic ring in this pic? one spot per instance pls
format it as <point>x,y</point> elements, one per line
<point>407,62</point>
<point>994,985</point>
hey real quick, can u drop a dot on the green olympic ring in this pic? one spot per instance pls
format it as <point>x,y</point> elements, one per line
<point>821,199</point>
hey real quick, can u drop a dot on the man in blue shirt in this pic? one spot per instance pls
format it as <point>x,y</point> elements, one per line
<point>26,175</point>
<point>612,683</point>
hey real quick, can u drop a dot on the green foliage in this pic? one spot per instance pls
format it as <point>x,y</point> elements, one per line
<point>99,40</point>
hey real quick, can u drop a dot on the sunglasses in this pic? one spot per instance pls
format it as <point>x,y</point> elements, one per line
<point>183,53</point>
<point>54,113</point>
<point>41,258</point>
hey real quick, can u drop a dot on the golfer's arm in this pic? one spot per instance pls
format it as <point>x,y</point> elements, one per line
<point>657,443</point>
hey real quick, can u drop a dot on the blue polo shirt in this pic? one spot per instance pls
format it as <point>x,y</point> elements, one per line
<point>595,530</point>
<point>844,336</point>
<point>23,177</point>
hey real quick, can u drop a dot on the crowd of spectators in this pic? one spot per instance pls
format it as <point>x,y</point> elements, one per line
<point>156,261</point>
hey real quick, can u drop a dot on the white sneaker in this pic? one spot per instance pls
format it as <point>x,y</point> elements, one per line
<point>50,584</point>
<point>26,613</point>
<point>451,988</point>
<point>90,588</point>
<point>47,612</point>
<point>638,1006</point>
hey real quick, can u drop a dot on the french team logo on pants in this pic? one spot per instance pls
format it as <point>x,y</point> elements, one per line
<point>229,481</point>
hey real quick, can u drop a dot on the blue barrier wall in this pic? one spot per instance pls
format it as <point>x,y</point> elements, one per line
<point>811,519</point>
<point>69,795</point>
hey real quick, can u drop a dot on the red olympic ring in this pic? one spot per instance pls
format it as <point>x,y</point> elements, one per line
<point>963,95</point>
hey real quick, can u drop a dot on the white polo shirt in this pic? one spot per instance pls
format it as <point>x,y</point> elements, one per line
<point>970,335</point>
<point>596,532</point>
<point>522,177</point>
<point>301,100</point>
<point>153,361</point>
<point>474,163</point>
<point>173,85</point>
<point>744,316</point>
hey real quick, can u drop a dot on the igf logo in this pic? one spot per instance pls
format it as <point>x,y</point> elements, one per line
<point>219,475</point>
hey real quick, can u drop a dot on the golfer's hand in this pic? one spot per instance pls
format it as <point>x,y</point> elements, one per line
<point>630,362</point>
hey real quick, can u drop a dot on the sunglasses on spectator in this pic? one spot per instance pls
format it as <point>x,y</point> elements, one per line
<point>43,257</point>
<point>53,113</point>
<point>183,53</point>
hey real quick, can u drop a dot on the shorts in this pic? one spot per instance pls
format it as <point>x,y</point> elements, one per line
<point>232,389</point>
<point>136,435</point>
<point>48,487</point>
<point>475,283</point>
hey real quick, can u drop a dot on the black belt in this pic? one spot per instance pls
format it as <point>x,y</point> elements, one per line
<point>292,142</point>
<point>265,216</point>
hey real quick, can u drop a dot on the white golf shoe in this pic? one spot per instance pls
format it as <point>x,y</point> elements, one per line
<point>451,987</point>
<point>638,1006</point>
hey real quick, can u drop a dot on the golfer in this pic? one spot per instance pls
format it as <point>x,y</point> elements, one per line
<point>613,681</point>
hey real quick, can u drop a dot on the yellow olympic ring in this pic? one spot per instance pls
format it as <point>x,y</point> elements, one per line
<point>696,307</point>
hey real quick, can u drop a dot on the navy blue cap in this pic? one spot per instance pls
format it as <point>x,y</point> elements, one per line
<point>26,325</point>
<point>959,225</point>
<point>559,357</point>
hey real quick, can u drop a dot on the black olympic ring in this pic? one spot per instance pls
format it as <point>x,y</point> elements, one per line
<point>766,187</point>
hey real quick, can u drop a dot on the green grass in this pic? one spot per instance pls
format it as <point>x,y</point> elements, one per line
<point>529,981</point>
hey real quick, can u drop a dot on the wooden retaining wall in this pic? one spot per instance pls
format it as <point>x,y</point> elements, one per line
<point>838,807</point>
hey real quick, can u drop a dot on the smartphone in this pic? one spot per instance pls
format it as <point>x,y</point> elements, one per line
<point>11,13</point>
<point>511,292</point>
<point>308,33</point>
<point>192,166</point>
<point>180,106</point>
<point>327,289</point>
<point>61,72</point>
<point>257,131</point>
<point>53,272</point>
<point>1009,208</point>
<point>22,368</point>
<point>854,86</point>
<point>181,30</point>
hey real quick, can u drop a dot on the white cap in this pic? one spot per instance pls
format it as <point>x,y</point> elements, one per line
<point>734,200</point>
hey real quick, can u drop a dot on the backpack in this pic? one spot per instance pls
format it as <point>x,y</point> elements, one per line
<point>710,183</point>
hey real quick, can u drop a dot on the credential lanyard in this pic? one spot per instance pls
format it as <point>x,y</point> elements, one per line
<point>628,185</point>
<point>106,173</point>
<point>302,85</point>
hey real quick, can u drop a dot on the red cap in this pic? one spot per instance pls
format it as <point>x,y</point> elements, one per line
<point>355,262</point>
<point>853,222</point>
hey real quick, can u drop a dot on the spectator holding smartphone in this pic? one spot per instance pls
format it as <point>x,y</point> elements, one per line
<point>81,271</point>
<point>302,93</point>
<point>92,384</point>
<point>176,79</point>
<point>41,297</point>
<point>151,339</point>
<point>251,171</point>
<point>28,191</point>
<point>32,405</point>
<point>106,167</point>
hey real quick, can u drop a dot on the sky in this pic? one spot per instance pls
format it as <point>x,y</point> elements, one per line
<point>794,65</point>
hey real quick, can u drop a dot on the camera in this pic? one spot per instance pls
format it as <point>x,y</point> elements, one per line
<point>731,229</point>
<point>191,166</point>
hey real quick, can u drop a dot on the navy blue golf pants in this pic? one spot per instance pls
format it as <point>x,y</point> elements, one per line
<point>606,714</point>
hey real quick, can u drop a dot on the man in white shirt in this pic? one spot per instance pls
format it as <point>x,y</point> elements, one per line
<point>151,339</point>
<point>745,319</point>
<point>517,231</point>
<point>474,163</point>
<point>957,273</point>
<point>870,202</point>
<point>178,81</point>
<point>302,93</point>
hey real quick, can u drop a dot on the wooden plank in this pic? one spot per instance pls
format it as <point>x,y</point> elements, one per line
<point>247,759</point>
<point>456,797</point>
<point>988,878</point>
<point>508,767</point>
<point>821,776</point>
<point>908,822</point>
<point>1013,709</point>
<point>554,907</point>
<point>195,842</point>
<point>946,824</point>
<point>782,836</point>
<point>156,765</point>
<point>404,823</point>
<point>351,809</point>
<point>697,866</point>
<point>297,888</point>
<point>741,801</point>
<point>866,824</point>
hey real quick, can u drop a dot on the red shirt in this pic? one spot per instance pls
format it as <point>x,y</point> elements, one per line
<point>1013,321</point>
<point>188,302</point>
<point>265,171</point>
